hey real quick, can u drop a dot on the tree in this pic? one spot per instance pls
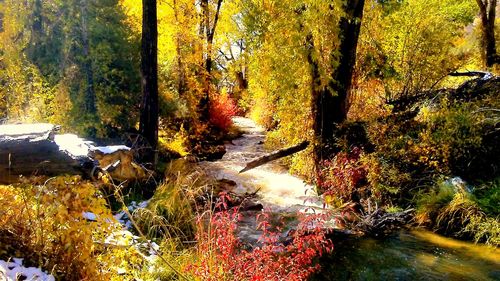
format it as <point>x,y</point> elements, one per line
<point>330,105</point>
<point>208,27</point>
<point>36,31</point>
<point>148,126</point>
<point>89,93</point>
<point>487,9</point>
<point>414,45</point>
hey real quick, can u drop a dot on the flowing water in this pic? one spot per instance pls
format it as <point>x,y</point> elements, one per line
<point>408,255</point>
<point>279,192</point>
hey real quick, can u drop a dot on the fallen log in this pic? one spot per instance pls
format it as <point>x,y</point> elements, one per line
<point>36,149</point>
<point>481,74</point>
<point>30,149</point>
<point>475,89</point>
<point>118,161</point>
<point>275,155</point>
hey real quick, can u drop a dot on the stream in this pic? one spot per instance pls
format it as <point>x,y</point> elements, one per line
<point>410,255</point>
<point>407,255</point>
<point>279,193</point>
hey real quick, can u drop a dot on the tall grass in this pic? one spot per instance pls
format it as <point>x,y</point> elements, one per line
<point>171,212</point>
<point>454,211</point>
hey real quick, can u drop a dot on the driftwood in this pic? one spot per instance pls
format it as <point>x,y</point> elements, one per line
<point>119,163</point>
<point>30,150</point>
<point>275,155</point>
<point>380,222</point>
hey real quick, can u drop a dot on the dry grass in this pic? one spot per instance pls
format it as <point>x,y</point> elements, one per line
<point>457,213</point>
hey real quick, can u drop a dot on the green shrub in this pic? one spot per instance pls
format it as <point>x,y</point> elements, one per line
<point>488,197</point>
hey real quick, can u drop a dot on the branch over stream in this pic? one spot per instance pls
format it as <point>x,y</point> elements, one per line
<point>275,155</point>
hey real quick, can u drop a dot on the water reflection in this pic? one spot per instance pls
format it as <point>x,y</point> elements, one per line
<point>415,255</point>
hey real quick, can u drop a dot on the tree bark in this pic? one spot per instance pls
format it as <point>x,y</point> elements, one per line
<point>1,21</point>
<point>487,10</point>
<point>36,32</point>
<point>330,105</point>
<point>181,79</point>
<point>149,71</point>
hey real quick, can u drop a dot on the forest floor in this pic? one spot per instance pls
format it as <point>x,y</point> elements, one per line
<point>276,190</point>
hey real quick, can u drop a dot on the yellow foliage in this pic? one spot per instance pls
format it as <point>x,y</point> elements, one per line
<point>44,224</point>
<point>279,91</point>
<point>177,143</point>
<point>47,221</point>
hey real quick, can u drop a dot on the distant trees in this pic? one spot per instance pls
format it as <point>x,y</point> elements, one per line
<point>188,43</point>
<point>74,63</point>
<point>148,125</point>
<point>487,10</point>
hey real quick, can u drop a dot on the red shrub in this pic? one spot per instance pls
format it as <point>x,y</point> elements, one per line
<point>222,109</point>
<point>223,259</point>
<point>342,175</point>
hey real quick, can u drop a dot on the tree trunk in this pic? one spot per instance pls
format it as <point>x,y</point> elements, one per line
<point>316,92</point>
<point>149,82</point>
<point>181,79</point>
<point>487,10</point>
<point>33,49</point>
<point>330,105</point>
<point>90,98</point>
<point>209,34</point>
<point>1,20</point>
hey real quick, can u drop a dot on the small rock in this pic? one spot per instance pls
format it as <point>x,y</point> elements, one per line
<point>251,206</point>
<point>227,185</point>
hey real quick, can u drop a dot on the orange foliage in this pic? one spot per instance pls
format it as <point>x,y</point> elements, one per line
<point>222,109</point>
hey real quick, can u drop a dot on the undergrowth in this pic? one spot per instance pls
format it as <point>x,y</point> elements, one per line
<point>222,109</point>
<point>44,223</point>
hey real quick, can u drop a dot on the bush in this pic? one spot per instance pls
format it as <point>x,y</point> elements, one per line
<point>452,211</point>
<point>222,109</point>
<point>176,142</point>
<point>222,258</point>
<point>444,139</point>
<point>43,223</point>
<point>342,176</point>
<point>488,197</point>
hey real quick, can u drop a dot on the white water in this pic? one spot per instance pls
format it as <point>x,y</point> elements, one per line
<point>278,191</point>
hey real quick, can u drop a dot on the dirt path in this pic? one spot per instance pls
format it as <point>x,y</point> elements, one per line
<point>279,192</point>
